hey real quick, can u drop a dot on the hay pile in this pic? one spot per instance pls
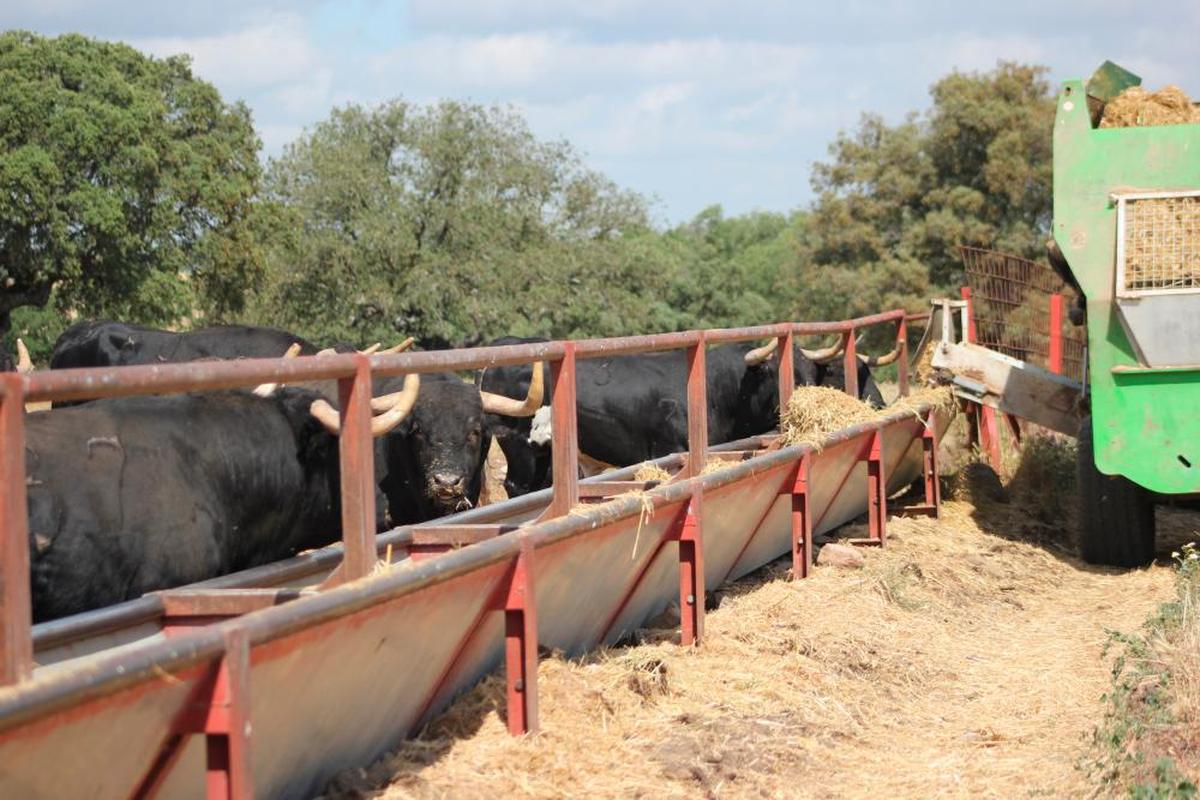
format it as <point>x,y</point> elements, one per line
<point>956,663</point>
<point>1136,107</point>
<point>651,472</point>
<point>814,412</point>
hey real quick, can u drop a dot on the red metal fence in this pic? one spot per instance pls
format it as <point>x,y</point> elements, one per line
<point>1018,308</point>
<point>196,682</point>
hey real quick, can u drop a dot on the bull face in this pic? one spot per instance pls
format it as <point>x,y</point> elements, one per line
<point>445,437</point>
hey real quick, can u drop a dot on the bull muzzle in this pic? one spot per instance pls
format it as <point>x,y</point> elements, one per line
<point>448,492</point>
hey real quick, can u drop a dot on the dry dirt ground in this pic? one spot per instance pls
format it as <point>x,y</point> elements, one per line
<point>963,660</point>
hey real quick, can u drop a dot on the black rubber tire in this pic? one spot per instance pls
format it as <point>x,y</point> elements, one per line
<point>1116,516</point>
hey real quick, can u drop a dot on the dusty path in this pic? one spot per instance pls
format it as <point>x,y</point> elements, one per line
<point>957,663</point>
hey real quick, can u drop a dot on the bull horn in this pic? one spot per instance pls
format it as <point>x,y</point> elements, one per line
<point>403,406</point>
<point>828,353</point>
<point>381,424</point>
<point>328,351</point>
<point>508,407</point>
<point>24,362</point>
<point>268,389</point>
<point>883,360</point>
<point>760,354</point>
<point>370,351</point>
<point>399,348</point>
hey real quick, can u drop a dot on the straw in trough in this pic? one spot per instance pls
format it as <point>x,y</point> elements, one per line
<point>1136,107</point>
<point>814,412</point>
<point>651,472</point>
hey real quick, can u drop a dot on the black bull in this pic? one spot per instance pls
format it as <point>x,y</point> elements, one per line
<point>430,466</point>
<point>135,494</point>
<point>103,343</point>
<point>634,408</point>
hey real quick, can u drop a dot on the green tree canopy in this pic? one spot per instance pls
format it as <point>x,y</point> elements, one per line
<point>894,201</point>
<point>449,222</point>
<point>126,183</point>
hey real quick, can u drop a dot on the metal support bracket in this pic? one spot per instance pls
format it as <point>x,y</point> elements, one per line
<point>691,574</point>
<point>438,539</point>
<point>802,535</point>
<point>521,644</point>
<point>932,507</point>
<point>876,495</point>
<point>220,711</point>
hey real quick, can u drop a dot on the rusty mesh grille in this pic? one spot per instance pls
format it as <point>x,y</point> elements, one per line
<point>1162,243</point>
<point>1010,300</point>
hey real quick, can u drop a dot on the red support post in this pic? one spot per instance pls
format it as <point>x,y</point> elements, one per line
<point>902,360</point>
<point>521,645</point>
<point>691,574</point>
<point>358,474</point>
<point>227,726</point>
<point>564,442</point>
<point>16,640</point>
<point>965,291</point>
<point>802,535</point>
<point>850,364</point>
<point>1055,357</point>
<point>787,369</point>
<point>933,485</point>
<point>220,711</point>
<point>876,491</point>
<point>697,399</point>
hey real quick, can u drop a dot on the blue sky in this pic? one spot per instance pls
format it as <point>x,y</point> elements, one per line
<point>691,102</point>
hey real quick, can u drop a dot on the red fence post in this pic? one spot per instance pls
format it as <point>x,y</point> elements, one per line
<point>358,472</point>
<point>564,441</point>
<point>691,574</point>
<point>16,641</point>
<point>521,646</point>
<point>697,399</point>
<point>850,364</point>
<point>876,490</point>
<point>802,543</point>
<point>902,361</point>
<point>787,369</point>
<point>1055,358</point>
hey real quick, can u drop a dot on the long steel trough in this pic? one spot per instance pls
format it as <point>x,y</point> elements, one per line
<point>274,701</point>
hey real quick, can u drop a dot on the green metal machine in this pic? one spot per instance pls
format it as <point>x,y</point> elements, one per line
<point>1127,228</point>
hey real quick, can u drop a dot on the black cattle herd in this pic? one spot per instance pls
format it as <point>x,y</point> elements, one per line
<point>130,495</point>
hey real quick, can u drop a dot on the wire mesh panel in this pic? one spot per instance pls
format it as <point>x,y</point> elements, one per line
<point>1010,300</point>
<point>1159,242</point>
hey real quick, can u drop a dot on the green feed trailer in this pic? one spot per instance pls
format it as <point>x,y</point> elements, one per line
<point>1127,226</point>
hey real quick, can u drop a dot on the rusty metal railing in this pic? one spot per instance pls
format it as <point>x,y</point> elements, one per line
<point>227,647</point>
<point>354,372</point>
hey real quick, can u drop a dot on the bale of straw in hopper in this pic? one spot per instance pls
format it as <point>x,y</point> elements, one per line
<point>1136,107</point>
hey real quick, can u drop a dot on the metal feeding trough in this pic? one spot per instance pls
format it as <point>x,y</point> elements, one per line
<point>271,681</point>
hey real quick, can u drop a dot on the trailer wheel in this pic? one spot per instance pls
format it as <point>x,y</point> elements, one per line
<point>1116,516</point>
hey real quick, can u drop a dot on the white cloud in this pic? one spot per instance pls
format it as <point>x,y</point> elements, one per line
<point>274,51</point>
<point>543,64</point>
